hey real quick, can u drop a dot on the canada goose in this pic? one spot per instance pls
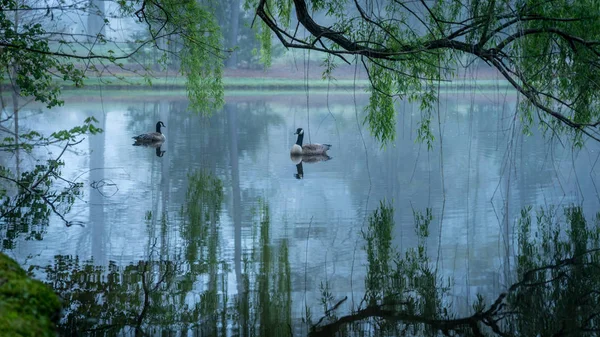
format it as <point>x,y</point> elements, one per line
<point>151,137</point>
<point>307,149</point>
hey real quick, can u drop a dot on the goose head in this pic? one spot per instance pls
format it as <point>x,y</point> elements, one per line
<point>297,148</point>
<point>158,125</point>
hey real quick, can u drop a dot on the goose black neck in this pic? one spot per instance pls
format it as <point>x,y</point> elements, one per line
<point>158,127</point>
<point>300,138</point>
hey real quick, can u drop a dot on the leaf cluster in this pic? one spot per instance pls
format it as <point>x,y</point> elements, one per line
<point>557,267</point>
<point>27,60</point>
<point>193,37</point>
<point>37,53</point>
<point>27,199</point>
<point>402,284</point>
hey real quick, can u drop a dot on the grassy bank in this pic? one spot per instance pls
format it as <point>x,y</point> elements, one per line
<point>250,83</point>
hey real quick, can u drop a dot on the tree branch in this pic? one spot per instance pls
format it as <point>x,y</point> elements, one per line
<point>453,39</point>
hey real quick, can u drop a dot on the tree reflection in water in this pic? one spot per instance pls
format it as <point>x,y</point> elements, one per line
<point>190,295</point>
<point>556,289</point>
<point>556,292</point>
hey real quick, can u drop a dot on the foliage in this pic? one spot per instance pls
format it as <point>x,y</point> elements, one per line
<point>404,284</point>
<point>39,51</point>
<point>201,54</point>
<point>150,294</point>
<point>173,294</point>
<point>547,50</point>
<point>268,278</point>
<point>558,273</point>
<point>187,32</point>
<point>28,307</point>
<point>38,191</point>
<point>204,198</point>
<point>26,58</point>
<point>555,292</point>
<point>117,297</point>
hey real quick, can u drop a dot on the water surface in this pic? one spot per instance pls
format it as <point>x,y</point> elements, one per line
<point>221,201</point>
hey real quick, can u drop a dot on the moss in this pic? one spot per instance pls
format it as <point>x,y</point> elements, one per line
<point>28,307</point>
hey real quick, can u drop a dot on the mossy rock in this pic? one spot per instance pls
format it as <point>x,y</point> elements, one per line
<point>27,307</point>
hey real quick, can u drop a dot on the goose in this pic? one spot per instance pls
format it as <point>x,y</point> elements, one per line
<point>307,149</point>
<point>151,137</point>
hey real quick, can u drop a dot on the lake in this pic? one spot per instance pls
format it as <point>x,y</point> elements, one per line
<point>219,232</point>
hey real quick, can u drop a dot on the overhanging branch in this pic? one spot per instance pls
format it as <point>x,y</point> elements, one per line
<point>506,30</point>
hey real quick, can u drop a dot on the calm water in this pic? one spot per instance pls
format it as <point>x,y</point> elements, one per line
<point>167,213</point>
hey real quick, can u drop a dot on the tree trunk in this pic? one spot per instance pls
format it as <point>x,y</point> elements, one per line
<point>233,34</point>
<point>95,22</point>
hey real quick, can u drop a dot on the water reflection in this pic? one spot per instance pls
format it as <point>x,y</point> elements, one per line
<point>554,291</point>
<point>200,251</point>
<point>309,159</point>
<point>299,171</point>
<point>155,145</point>
<point>186,293</point>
